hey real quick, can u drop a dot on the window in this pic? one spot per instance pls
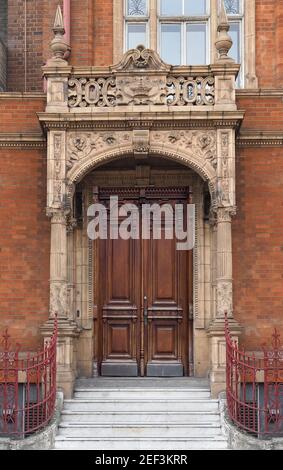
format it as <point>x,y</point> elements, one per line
<point>184,31</point>
<point>137,17</point>
<point>234,9</point>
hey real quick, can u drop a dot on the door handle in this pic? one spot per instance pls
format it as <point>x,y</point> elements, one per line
<point>145,311</point>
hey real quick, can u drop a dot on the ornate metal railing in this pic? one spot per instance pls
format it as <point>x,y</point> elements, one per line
<point>255,387</point>
<point>27,388</point>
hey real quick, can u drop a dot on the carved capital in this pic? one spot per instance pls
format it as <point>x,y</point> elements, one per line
<point>57,216</point>
<point>225,214</point>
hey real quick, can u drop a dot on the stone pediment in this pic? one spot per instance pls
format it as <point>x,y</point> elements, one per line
<point>141,60</point>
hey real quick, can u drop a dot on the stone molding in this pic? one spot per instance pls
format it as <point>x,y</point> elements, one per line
<point>259,139</point>
<point>22,140</point>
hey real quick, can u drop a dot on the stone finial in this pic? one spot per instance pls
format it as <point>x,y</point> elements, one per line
<point>58,45</point>
<point>224,42</point>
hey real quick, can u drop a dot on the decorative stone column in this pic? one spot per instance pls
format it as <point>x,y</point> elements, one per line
<point>224,208</point>
<point>60,303</point>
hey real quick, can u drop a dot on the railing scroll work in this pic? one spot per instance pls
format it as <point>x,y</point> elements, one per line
<point>27,388</point>
<point>255,387</point>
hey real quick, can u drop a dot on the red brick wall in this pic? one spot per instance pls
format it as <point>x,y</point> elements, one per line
<point>258,243</point>
<point>24,244</point>
<point>24,228</point>
<point>19,114</point>
<point>103,32</point>
<point>24,74</point>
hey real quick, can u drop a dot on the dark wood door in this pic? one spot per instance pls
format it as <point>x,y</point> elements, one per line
<point>144,288</point>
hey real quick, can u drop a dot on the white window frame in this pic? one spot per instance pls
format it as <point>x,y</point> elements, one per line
<point>184,20</point>
<point>139,19</point>
<point>248,34</point>
<point>240,18</point>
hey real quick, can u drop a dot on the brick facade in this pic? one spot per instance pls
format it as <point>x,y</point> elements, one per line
<point>25,230</point>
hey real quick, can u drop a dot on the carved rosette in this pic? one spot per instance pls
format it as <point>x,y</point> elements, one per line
<point>201,144</point>
<point>81,145</point>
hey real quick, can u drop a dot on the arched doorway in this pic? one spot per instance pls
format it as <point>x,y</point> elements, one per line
<point>143,287</point>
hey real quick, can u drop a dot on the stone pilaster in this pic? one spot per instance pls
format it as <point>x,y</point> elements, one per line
<point>67,328</point>
<point>224,301</point>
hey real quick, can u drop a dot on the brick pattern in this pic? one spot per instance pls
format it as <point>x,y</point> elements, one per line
<point>24,245</point>
<point>258,244</point>
<point>19,115</point>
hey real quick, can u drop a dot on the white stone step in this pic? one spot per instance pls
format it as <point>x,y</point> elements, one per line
<point>132,393</point>
<point>177,431</point>
<point>166,417</point>
<point>149,405</point>
<point>218,443</point>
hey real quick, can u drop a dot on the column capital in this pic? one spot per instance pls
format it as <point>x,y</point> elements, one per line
<point>224,214</point>
<point>57,214</point>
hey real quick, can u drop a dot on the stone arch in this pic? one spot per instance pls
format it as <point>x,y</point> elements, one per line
<point>201,166</point>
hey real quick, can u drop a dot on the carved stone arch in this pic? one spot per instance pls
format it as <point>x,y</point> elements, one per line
<point>203,168</point>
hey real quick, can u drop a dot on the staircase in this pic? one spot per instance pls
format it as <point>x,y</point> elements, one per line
<point>141,414</point>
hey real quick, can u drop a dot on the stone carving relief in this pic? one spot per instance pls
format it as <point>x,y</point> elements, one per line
<point>201,144</point>
<point>57,194</point>
<point>81,145</point>
<point>224,299</point>
<point>141,78</point>
<point>85,92</point>
<point>140,90</point>
<point>184,91</point>
<point>224,191</point>
<point>58,299</point>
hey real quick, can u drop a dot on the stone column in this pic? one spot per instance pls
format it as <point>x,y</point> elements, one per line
<point>67,328</point>
<point>224,300</point>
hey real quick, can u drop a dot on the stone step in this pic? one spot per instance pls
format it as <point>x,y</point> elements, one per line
<point>131,393</point>
<point>135,443</point>
<point>148,405</point>
<point>141,417</point>
<point>177,431</point>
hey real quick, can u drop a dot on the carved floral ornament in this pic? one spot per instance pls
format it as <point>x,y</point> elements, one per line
<point>141,78</point>
<point>202,144</point>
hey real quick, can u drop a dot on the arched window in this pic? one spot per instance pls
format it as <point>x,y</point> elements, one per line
<point>184,31</point>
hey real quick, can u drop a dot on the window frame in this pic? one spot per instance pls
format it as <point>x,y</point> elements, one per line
<point>139,19</point>
<point>249,79</point>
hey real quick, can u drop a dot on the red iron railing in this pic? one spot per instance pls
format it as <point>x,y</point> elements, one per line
<point>255,387</point>
<point>27,388</point>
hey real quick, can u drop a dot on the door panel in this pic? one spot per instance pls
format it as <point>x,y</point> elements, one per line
<point>119,285</point>
<point>144,298</point>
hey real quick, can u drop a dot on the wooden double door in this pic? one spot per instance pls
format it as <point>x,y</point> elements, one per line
<point>144,291</point>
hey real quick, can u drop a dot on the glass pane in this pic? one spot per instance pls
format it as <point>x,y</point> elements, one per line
<point>235,51</point>
<point>171,7</point>
<point>137,8</point>
<point>196,44</point>
<point>171,43</point>
<point>136,35</point>
<point>232,7</point>
<point>195,8</point>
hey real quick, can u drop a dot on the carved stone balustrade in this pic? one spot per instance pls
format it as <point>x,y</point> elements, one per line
<point>141,79</point>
